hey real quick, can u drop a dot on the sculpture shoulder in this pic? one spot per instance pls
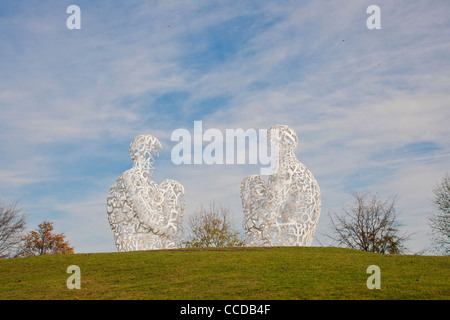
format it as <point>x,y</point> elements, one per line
<point>299,168</point>
<point>305,176</point>
<point>170,181</point>
<point>130,181</point>
<point>173,184</point>
<point>123,179</point>
<point>252,180</point>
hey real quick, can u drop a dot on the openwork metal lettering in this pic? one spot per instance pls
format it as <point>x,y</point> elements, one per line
<point>144,215</point>
<point>284,210</point>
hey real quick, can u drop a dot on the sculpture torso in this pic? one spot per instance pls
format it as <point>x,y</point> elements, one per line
<point>284,211</point>
<point>144,215</point>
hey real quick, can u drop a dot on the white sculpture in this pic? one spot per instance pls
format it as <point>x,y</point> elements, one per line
<point>142,214</point>
<point>285,210</point>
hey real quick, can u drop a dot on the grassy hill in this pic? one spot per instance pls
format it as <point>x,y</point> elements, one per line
<point>231,273</point>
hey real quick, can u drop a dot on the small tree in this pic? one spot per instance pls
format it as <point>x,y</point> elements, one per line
<point>368,224</point>
<point>12,224</point>
<point>43,242</point>
<point>440,222</point>
<point>213,227</point>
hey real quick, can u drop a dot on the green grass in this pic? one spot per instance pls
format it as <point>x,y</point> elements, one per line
<point>231,273</point>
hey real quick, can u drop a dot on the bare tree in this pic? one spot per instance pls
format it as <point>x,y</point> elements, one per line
<point>440,222</point>
<point>12,224</point>
<point>213,227</point>
<point>368,224</point>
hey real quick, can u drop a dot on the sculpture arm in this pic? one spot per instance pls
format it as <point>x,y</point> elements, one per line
<point>144,198</point>
<point>173,205</point>
<point>253,193</point>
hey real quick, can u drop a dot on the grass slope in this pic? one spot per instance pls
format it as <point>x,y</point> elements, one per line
<point>229,273</point>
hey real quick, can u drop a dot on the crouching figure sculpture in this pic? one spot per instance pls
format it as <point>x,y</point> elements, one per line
<point>144,215</point>
<point>285,210</point>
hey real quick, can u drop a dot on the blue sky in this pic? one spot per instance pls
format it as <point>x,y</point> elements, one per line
<point>370,107</point>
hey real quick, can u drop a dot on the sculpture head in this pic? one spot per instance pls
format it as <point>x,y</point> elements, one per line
<point>283,136</point>
<point>144,148</point>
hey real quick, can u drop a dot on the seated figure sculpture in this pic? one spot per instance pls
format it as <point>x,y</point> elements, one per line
<point>144,215</point>
<point>285,210</point>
